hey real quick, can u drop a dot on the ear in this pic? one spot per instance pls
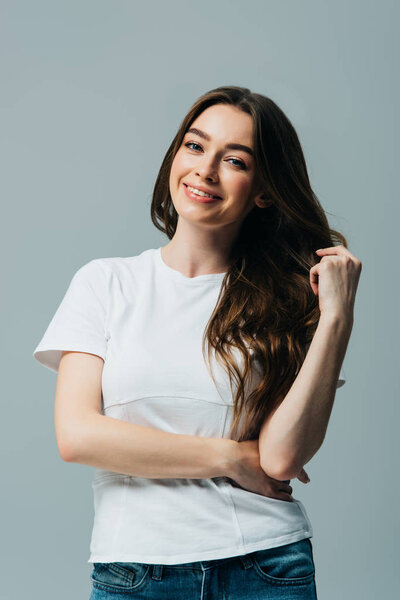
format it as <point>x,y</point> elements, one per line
<point>262,201</point>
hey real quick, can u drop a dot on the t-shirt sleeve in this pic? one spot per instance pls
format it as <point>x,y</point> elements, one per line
<point>79,323</point>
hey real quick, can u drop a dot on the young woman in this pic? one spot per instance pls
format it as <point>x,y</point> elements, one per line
<point>199,377</point>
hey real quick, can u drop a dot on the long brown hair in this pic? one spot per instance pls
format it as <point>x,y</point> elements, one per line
<point>266,308</point>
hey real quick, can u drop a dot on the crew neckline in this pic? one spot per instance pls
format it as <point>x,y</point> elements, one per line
<point>178,276</point>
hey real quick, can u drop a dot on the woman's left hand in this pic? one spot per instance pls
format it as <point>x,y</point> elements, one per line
<point>335,279</point>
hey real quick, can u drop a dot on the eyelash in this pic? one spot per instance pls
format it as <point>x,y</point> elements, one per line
<point>241,166</point>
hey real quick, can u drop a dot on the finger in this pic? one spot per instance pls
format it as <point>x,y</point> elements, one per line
<point>304,472</point>
<point>303,476</point>
<point>331,249</point>
<point>335,250</point>
<point>314,279</point>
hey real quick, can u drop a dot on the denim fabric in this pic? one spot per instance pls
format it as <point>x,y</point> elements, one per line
<point>284,572</point>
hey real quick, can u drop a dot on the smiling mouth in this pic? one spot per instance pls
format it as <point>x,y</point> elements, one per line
<point>202,193</point>
<point>200,198</point>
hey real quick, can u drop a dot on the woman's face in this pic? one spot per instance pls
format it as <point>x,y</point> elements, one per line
<point>205,160</point>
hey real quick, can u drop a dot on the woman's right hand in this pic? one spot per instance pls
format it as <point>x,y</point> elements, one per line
<point>250,475</point>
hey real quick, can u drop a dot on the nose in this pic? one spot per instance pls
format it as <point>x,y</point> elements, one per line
<point>207,170</point>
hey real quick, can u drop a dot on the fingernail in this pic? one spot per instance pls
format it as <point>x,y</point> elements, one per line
<point>318,249</point>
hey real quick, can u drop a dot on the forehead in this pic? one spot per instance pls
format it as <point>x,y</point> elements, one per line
<point>225,124</point>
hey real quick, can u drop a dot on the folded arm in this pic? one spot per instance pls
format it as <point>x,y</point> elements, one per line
<point>84,435</point>
<point>291,436</point>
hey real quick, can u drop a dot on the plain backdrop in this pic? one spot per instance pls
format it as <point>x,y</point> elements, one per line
<point>93,92</point>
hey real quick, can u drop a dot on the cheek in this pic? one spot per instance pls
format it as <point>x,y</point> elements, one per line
<point>177,174</point>
<point>239,186</point>
<point>179,170</point>
<point>180,163</point>
<point>173,171</point>
<point>240,191</point>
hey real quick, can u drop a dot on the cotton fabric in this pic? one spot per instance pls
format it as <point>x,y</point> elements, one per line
<point>278,573</point>
<point>146,320</point>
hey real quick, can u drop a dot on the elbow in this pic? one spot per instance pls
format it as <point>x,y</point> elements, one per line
<point>275,470</point>
<point>272,463</point>
<point>66,450</point>
<point>281,474</point>
<point>66,453</point>
<point>280,471</point>
<point>72,441</point>
<point>290,472</point>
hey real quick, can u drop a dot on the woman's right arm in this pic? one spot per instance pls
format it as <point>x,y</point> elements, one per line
<point>86,436</point>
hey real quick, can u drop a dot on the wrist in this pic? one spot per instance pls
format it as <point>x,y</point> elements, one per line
<point>337,321</point>
<point>231,458</point>
<point>225,456</point>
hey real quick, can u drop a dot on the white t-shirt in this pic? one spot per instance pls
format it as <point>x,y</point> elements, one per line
<point>146,320</point>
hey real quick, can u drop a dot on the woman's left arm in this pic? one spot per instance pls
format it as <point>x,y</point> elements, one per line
<point>294,432</point>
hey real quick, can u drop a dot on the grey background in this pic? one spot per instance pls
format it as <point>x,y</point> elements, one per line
<point>92,95</point>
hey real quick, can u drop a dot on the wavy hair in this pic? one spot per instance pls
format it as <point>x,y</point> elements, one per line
<point>266,308</point>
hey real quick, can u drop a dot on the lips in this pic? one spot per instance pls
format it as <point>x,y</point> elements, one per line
<point>203,189</point>
<point>199,199</point>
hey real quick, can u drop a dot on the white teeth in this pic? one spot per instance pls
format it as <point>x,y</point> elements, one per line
<point>199,192</point>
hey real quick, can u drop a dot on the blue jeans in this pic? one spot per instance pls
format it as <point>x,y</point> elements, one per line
<point>275,573</point>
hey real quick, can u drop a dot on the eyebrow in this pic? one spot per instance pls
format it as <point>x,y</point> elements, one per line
<point>232,146</point>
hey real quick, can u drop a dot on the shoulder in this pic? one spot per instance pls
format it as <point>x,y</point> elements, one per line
<point>115,267</point>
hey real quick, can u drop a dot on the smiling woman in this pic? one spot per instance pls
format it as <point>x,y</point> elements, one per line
<point>233,195</point>
<point>198,377</point>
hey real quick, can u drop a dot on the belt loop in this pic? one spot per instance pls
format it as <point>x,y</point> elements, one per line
<point>157,572</point>
<point>247,561</point>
